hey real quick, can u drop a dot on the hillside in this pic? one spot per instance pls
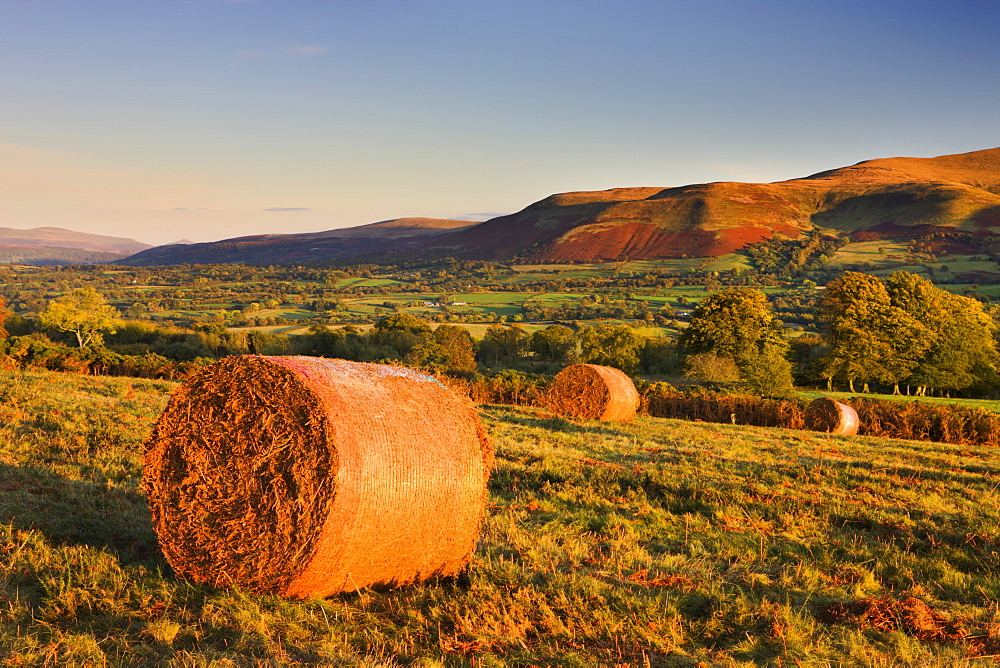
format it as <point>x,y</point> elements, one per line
<point>399,234</point>
<point>48,255</point>
<point>54,245</point>
<point>655,543</point>
<point>894,198</point>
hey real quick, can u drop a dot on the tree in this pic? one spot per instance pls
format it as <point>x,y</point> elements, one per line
<point>555,343</point>
<point>769,372</point>
<point>904,329</point>
<point>711,368</point>
<point>397,335</point>
<point>735,323</point>
<point>611,345</point>
<point>502,345</point>
<point>870,337</point>
<point>403,322</point>
<point>449,349</point>
<point>738,325</point>
<point>960,333</point>
<point>4,314</point>
<point>84,312</point>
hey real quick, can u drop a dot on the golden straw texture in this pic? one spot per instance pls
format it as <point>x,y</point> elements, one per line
<point>307,476</point>
<point>593,392</point>
<point>832,416</point>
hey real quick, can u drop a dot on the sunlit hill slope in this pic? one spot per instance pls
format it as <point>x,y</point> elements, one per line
<point>892,198</point>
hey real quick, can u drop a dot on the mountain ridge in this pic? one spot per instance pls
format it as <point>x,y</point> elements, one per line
<point>882,198</point>
<point>888,197</point>
<point>57,245</point>
<point>398,233</point>
<point>58,237</point>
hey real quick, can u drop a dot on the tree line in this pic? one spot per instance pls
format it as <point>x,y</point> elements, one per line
<point>894,332</point>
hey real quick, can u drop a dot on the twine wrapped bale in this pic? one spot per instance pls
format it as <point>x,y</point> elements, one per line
<point>593,392</point>
<point>306,476</point>
<point>831,416</point>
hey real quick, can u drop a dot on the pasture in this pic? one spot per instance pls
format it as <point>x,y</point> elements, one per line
<point>659,542</point>
<point>985,404</point>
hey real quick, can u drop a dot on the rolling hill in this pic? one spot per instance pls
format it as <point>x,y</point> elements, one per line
<point>398,234</point>
<point>54,245</point>
<point>890,198</point>
<point>894,198</point>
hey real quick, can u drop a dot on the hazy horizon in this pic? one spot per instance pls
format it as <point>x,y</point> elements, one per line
<point>208,119</point>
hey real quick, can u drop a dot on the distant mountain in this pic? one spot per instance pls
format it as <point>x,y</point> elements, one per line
<point>894,198</point>
<point>54,245</point>
<point>949,196</point>
<point>398,235</point>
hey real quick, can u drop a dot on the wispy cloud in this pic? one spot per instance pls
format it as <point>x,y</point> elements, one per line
<point>288,208</point>
<point>477,217</point>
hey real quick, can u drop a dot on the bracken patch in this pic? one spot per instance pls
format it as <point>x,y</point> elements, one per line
<point>910,615</point>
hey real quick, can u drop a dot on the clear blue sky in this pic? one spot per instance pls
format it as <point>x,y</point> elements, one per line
<point>163,119</point>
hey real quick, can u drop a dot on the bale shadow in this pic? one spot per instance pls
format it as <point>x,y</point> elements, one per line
<point>73,512</point>
<point>552,422</point>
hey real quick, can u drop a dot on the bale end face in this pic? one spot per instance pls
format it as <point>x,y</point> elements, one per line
<point>307,476</point>
<point>831,416</point>
<point>593,392</point>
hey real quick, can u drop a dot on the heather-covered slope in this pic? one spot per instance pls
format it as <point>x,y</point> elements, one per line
<point>388,235</point>
<point>892,198</point>
<point>886,198</point>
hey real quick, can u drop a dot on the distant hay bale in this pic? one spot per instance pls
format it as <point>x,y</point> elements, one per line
<point>306,477</point>
<point>593,392</point>
<point>831,416</point>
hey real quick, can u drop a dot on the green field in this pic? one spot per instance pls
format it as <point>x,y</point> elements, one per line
<point>889,256</point>
<point>659,543</point>
<point>985,404</point>
<point>366,282</point>
<point>593,270</point>
<point>876,252</point>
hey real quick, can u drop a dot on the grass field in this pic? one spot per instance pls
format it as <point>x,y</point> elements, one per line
<point>366,282</point>
<point>657,543</point>
<point>886,257</point>
<point>876,252</point>
<point>985,404</point>
<point>721,263</point>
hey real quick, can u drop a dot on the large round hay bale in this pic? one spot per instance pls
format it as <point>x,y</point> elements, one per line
<point>831,416</point>
<point>593,392</point>
<point>306,476</point>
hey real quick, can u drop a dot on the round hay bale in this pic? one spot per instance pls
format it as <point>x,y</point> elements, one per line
<point>831,416</point>
<point>306,477</point>
<point>593,392</point>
